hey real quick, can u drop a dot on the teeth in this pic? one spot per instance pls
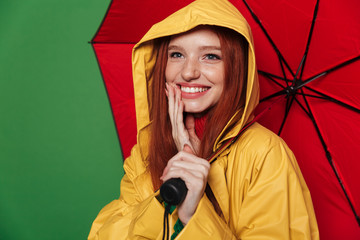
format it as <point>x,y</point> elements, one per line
<point>193,89</point>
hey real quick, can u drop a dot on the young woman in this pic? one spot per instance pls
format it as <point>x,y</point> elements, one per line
<point>196,87</point>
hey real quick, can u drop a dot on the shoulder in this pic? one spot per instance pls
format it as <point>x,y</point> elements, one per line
<point>137,173</point>
<point>136,164</point>
<point>260,140</point>
<point>259,147</point>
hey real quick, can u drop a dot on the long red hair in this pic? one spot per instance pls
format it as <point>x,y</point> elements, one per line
<point>234,49</point>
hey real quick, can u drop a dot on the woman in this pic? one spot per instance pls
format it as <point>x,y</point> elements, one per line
<point>196,87</point>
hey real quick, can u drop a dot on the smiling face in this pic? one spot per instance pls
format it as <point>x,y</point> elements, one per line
<point>195,64</point>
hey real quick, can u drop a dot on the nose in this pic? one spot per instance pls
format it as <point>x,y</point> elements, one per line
<point>190,70</point>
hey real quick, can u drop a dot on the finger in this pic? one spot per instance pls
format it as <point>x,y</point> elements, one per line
<point>177,92</point>
<point>190,122</point>
<point>172,108</point>
<point>180,120</point>
<point>170,100</point>
<point>185,174</point>
<point>187,157</point>
<point>190,126</point>
<point>180,134</point>
<point>196,169</point>
<point>180,115</point>
<point>188,149</point>
<point>166,89</point>
<point>177,101</point>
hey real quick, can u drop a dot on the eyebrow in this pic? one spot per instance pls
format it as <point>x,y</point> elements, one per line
<point>176,47</point>
<point>210,48</point>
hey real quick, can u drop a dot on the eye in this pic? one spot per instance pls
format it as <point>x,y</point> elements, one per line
<point>175,55</point>
<point>212,56</point>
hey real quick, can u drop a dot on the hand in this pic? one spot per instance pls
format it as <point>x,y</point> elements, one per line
<point>194,172</point>
<point>190,127</point>
<point>182,135</point>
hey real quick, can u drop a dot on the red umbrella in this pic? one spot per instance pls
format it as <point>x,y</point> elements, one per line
<point>308,54</point>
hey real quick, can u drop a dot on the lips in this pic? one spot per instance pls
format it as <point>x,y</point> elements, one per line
<point>193,92</point>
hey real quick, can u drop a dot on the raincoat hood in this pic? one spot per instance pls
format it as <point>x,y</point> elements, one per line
<point>201,12</point>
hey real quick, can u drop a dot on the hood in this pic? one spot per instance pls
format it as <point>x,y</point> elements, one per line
<point>201,12</point>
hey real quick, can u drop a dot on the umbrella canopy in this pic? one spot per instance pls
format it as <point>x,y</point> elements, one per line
<point>308,55</point>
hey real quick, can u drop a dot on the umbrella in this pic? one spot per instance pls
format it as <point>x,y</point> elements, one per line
<point>308,55</point>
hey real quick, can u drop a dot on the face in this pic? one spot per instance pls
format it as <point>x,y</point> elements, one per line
<point>195,64</point>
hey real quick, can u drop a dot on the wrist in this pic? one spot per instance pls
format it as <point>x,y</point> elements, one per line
<point>184,218</point>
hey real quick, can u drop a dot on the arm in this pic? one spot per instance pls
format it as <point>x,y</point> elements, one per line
<point>206,224</point>
<point>276,203</point>
<point>196,212</point>
<point>136,213</point>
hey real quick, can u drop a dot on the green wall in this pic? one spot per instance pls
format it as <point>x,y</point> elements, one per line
<point>59,153</point>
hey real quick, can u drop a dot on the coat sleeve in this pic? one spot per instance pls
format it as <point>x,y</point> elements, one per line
<point>276,203</point>
<point>130,217</point>
<point>136,214</point>
<point>206,224</point>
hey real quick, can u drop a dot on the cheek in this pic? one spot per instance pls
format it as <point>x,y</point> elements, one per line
<point>215,75</point>
<point>170,73</point>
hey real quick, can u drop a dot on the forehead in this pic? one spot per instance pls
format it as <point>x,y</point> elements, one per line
<point>200,36</point>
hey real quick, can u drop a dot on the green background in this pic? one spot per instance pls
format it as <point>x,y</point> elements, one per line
<point>59,153</point>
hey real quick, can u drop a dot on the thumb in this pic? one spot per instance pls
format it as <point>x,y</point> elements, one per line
<point>190,123</point>
<point>188,149</point>
<point>190,127</point>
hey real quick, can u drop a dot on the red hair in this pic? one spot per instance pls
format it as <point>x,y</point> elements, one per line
<point>234,49</point>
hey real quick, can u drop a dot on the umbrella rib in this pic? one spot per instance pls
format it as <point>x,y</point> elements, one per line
<point>257,20</point>
<point>283,72</point>
<point>287,110</point>
<point>314,96</point>
<point>303,60</point>
<point>343,64</point>
<point>282,92</point>
<point>271,78</point>
<point>303,108</point>
<point>328,154</point>
<point>266,74</point>
<point>334,100</point>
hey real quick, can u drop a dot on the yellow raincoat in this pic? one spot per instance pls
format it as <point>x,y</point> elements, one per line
<point>256,182</point>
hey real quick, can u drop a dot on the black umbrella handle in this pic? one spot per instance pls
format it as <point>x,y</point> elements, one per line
<point>173,191</point>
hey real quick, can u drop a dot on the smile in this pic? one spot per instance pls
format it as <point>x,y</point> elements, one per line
<point>193,89</point>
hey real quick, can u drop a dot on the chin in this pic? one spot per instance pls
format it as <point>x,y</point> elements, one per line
<point>196,109</point>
